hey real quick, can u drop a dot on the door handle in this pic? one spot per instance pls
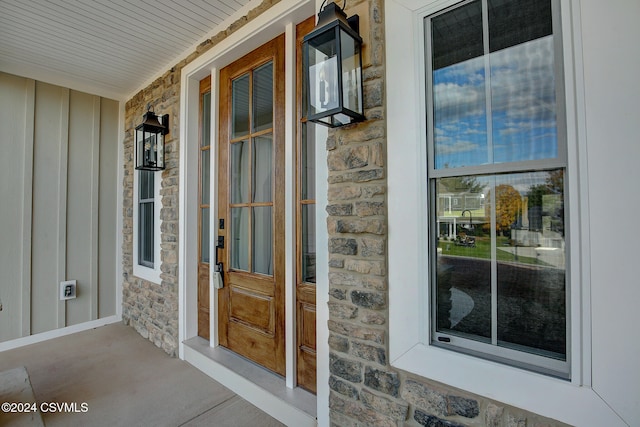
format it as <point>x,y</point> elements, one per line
<point>219,245</point>
<point>218,283</point>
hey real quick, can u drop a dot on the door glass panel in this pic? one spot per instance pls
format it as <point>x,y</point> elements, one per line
<point>204,237</point>
<point>240,107</point>
<point>206,120</point>
<point>263,97</point>
<point>262,164</point>
<point>204,174</point>
<point>309,243</point>
<point>240,239</point>
<point>239,172</point>
<point>262,240</point>
<point>308,164</point>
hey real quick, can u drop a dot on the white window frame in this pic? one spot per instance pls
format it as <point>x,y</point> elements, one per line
<point>573,402</point>
<point>492,350</point>
<point>141,271</point>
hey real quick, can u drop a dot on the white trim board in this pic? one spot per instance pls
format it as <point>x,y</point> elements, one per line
<point>56,333</point>
<point>259,387</point>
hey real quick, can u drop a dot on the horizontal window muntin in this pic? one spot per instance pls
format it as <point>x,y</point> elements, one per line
<point>495,115</point>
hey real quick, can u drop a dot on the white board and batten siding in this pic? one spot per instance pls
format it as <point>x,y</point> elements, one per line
<point>58,206</point>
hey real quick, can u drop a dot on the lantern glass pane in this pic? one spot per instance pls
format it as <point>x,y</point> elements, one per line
<point>150,149</point>
<point>351,73</point>
<point>139,147</point>
<point>323,73</point>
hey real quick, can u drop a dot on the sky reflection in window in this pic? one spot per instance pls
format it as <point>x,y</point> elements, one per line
<point>522,107</point>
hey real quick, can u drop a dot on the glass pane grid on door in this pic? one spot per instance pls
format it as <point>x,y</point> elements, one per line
<point>251,172</point>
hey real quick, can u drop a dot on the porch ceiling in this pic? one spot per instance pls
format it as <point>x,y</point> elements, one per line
<point>109,48</point>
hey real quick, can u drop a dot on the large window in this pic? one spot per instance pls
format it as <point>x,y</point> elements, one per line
<point>496,182</point>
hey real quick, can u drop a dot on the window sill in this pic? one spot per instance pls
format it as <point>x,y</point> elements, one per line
<point>547,396</point>
<point>149,274</point>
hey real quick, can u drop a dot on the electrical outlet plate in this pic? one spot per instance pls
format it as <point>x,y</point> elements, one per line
<point>68,290</point>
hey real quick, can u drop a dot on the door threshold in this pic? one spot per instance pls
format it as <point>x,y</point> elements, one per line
<point>260,387</point>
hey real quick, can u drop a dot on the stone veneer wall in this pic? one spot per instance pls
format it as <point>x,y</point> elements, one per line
<point>152,309</point>
<point>365,389</point>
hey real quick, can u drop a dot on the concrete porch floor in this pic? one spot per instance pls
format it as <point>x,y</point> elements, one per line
<point>126,381</point>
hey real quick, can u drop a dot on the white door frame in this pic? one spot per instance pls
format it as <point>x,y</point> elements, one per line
<point>281,18</point>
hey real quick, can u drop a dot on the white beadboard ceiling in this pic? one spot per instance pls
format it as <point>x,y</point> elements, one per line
<point>108,48</point>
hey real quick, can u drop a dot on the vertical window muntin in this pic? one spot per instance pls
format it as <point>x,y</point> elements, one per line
<point>146,214</point>
<point>492,169</point>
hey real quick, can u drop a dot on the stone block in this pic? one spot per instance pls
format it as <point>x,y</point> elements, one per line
<point>346,158</point>
<point>364,133</point>
<point>396,410</point>
<point>349,370</point>
<point>374,319</point>
<point>515,420</point>
<point>356,410</point>
<point>370,191</point>
<point>369,352</point>
<point>357,176</point>
<point>371,300</point>
<point>339,294</point>
<point>342,311</point>
<point>375,267</point>
<point>340,209</point>
<point>357,226</point>
<point>343,246</point>
<point>367,208</point>
<point>345,192</point>
<point>355,331</point>
<point>462,406</point>
<point>344,279</point>
<point>427,420</point>
<point>493,415</point>
<point>336,262</point>
<point>382,381</point>
<point>424,397</point>
<point>343,387</point>
<point>338,343</point>
<point>372,246</point>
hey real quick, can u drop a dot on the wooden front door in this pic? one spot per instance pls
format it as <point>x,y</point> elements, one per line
<point>250,229</point>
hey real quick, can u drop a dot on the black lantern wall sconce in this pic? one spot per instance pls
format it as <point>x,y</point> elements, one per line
<point>150,141</point>
<point>332,68</point>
